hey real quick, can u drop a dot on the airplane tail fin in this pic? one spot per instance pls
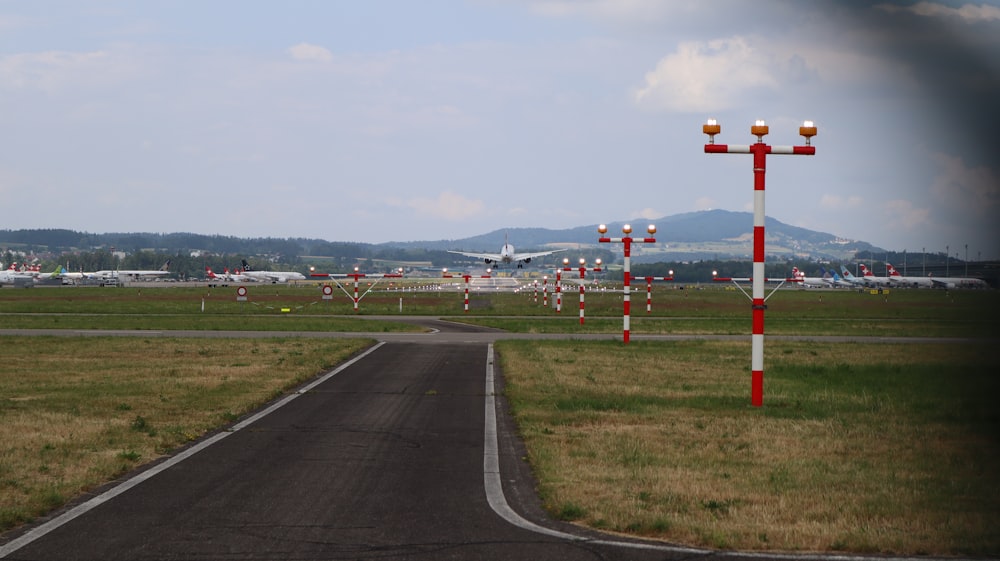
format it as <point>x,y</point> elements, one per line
<point>166,266</point>
<point>246,266</point>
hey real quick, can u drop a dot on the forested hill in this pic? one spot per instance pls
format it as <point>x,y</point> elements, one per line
<point>58,241</point>
<point>688,236</point>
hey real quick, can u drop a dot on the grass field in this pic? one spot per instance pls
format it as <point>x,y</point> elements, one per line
<point>859,447</point>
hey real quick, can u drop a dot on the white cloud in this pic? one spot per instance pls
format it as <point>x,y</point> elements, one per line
<point>838,202</point>
<point>447,206</point>
<point>967,12</point>
<point>904,215</point>
<point>704,203</point>
<point>310,53</point>
<point>649,213</point>
<point>50,71</point>
<point>703,76</point>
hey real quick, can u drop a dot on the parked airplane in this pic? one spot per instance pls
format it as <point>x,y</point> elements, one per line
<point>834,280</point>
<point>225,276</point>
<point>810,282</point>
<point>25,274</point>
<point>899,279</point>
<point>71,275</point>
<point>134,273</point>
<point>507,255</point>
<point>851,279</point>
<point>11,275</point>
<point>270,276</point>
<point>958,282</point>
<point>871,279</point>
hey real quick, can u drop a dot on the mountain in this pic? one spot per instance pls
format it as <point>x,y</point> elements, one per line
<point>708,234</point>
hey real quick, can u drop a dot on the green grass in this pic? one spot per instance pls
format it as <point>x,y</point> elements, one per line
<point>876,448</point>
<point>859,447</point>
<point>714,310</point>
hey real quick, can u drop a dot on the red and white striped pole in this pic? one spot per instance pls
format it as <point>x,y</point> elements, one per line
<point>649,289</point>
<point>356,276</point>
<point>466,278</point>
<point>545,291</point>
<point>466,305</point>
<point>582,269</point>
<point>558,291</point>
<point>760,152</point>
<point>627,241</point>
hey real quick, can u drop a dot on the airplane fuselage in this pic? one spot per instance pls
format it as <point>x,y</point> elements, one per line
<point>507,253</point>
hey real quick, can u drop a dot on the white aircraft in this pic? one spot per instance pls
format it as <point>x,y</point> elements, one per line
<point>11,275</point>
<point>226,276</point>
<point>25,274</point>
<point>507,255</point>
<point>871,279</point>
<point>270,276</point>
<point>958,282</point>
<point>835,280</point>
<point>849,277</point>
<point>134,273</point>
<point>810,282</point>
<point>900,280</point>
<point>71,275</point>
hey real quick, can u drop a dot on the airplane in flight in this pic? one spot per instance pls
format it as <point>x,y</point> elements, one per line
<point>270,276</point>
<point>899,279</point>
<point>507,255</point>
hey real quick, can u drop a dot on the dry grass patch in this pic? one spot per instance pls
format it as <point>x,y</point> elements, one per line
<point>78,412</point>
<point>862,448</point>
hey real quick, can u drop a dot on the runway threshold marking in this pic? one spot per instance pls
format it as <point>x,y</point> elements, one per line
<point>81,509</point>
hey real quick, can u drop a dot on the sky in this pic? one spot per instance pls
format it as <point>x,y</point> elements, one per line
<point>394,120</point>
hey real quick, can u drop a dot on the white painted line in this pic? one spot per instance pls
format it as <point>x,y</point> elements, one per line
<point>81,509</point>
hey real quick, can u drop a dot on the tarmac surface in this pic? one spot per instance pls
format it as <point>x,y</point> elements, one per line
<point>404,452</point>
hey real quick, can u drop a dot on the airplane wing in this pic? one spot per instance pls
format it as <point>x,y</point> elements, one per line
<point>487,256</point>
<point>527,256</point>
